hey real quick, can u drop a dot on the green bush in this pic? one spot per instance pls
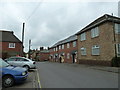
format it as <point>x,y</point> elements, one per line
<point>116,62</point>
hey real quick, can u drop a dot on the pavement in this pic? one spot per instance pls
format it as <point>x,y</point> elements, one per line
<point>103,68</point>
<point>108,69</point>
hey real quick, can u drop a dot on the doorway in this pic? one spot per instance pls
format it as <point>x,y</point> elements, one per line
<point>73,58</point>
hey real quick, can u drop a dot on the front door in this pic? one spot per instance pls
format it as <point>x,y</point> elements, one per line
<point>73,58</point>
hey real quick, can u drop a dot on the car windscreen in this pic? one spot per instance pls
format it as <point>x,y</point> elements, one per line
<point>3,63</point>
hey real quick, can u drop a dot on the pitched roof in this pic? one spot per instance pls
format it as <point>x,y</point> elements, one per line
<point>8,36</point>
<point>99,21</point>
<point>69,39</point>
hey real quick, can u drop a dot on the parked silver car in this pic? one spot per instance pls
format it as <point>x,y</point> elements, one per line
<point>22,62</point>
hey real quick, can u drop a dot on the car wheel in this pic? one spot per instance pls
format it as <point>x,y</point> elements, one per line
<point>26,66</point>
<point>7,81</point>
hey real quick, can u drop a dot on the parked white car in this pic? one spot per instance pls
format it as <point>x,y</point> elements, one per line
<point>22,62</point>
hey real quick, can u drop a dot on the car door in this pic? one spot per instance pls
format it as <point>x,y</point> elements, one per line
<point>11,61</point>
<point>19,62</point>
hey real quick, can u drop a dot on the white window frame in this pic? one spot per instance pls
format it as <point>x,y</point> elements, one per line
<point>83,36</point>
<point>63,55</point>
<point>118,50</point>
<point>59,47</point>
<point>11,45</point>
<point>68,45</point>
<point>56,49</point>
<point>63,46</point>
<point>83,51</point>
<point>117,28</point>
<point>96,50</point>
<point>74,44</point>
<point>68,55</point>
<point>95,32</point>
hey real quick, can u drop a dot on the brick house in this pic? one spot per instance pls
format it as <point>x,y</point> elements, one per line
<point>43,55</point>
<point>65,50</point>
<point>99,41</point>
<point>40,55</point>
<point>10,45</point>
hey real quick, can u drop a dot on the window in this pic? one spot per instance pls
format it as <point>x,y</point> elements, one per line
<point>25,60</point>
<point>118,49</point>
<point>56,49</point>
<point>94,32</point>
<point>11,45</point>
<point>83,36</point>
<point>63,46</point>
<point>59,47</point>
<point>19,59</point>
<point>63,54</point>
<point>68,55</point>
<point>10,59</point>
<point>83,51</point>
<point>95,50</point>
<point>68,45</point>
<point>74,44</point>
<point>117,28</point>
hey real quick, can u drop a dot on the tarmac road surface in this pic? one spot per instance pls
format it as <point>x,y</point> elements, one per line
<point>60,75</point>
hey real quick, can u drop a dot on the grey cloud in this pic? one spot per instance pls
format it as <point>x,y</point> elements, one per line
<point>53,21</point>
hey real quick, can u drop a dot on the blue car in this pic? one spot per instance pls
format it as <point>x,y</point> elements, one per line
<point>11,74</point>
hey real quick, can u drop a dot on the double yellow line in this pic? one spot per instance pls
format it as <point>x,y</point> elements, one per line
<point>38,79</point>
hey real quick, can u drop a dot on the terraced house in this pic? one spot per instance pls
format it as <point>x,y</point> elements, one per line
<point>64,50</point>
<point>99,41</point>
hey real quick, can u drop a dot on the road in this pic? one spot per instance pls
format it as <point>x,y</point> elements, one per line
<point>63,75</point>
<point>60,75</point>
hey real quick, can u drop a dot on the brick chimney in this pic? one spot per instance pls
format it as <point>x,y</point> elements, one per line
<point>41,48</point>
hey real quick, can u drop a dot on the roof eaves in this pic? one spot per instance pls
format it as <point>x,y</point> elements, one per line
<point>105,17</point>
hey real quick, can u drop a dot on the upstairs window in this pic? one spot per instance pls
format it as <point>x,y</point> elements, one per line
<point>56,49</point>
<point>11,45</point>
<point>68,45</point>
<point>95,50</point>
<point>74,44</point>
<point>83,36</point>
<point>94,32</point>
<point>63,46</point>
<point>117,28</point>
<point>59,47</point>
<point>83,51</point>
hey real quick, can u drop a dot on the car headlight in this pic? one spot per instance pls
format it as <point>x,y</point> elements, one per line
<point>23,73</point>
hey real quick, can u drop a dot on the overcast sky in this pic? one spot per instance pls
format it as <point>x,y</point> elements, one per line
<point>48,22</point>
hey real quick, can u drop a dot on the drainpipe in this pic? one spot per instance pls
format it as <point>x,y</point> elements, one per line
<point>114,36</point>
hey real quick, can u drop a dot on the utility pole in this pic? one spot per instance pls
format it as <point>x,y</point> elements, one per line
<point>119,9</point>
<point>29,48</point>
<point>23,32</point>
<point>23,37</point>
